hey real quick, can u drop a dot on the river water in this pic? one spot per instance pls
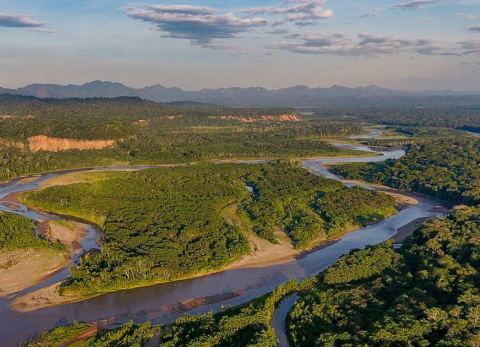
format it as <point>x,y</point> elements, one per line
<point>158,303</point>
<point>280,317</point>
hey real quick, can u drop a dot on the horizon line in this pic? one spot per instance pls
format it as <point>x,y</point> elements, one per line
<point>80,84</point>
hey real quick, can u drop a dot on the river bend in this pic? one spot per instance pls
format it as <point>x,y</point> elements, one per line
<point>157,303</point>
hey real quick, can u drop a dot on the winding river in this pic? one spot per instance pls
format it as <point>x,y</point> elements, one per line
<point>159,303</point>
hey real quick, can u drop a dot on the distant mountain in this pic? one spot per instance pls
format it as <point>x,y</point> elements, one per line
<point>88,90</point>
<point>296,96</point>
<point>190,104</point>
<point>5,91</point>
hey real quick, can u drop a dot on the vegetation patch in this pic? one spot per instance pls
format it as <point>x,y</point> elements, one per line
<point>347,207</point>
<point>18,232</point>
<point>86,335</point>
<point>309,207</point>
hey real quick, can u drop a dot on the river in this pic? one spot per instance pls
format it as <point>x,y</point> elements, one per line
<point>158,303</point>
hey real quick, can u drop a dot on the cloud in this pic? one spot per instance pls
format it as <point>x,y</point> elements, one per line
<point>469,16</point>
<point>415,5</point>
<point>183,9</point>
<point>475,28</point>
<point>279,32</point>
<point>299,12</point>
<point>470,47</point>
<point>44,30</point>
<point>371,45</point>
<point>368,14</point>
<point>201,25</point>
<point>19,21</point>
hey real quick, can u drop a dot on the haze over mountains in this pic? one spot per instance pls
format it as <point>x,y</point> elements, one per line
<point>296,96</point>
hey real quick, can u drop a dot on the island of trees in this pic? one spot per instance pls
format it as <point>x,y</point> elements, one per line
<point>168,223</point>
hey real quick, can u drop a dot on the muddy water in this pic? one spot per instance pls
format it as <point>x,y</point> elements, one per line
<point>279,319</point>
<point>159,303</point>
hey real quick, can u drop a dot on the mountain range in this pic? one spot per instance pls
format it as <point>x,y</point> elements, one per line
<point>296,96</point>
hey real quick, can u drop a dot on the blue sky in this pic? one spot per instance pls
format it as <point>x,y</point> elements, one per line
<point>403,44</point>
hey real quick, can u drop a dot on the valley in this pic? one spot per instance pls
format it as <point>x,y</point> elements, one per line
<point>151,240</point>
<point>268,173</point>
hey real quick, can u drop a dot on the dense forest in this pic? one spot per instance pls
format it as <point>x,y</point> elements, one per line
<point>158,225</point>
<point>283,197</point>
<point>94,118</point>
<point>309,207</point>
<point>164,224</point>
<point>445,169</point>
<point>428,117</point>
<point>146,132</point>
<point>347,207</point>
<point>424,294</point>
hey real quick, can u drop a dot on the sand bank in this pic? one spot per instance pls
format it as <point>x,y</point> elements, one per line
<point>20,269</point>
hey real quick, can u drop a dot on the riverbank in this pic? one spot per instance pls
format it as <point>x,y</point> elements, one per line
<point>43,298</point>
<point>408,229</point>
<point>264,253</point>
<point>351,155</point>
<point>401,197</point>
<point>21,269</point>
<point>24,268</point>
<point>68,233</point>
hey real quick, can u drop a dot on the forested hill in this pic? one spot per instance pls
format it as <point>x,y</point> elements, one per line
<point>121,107</point>
<point>115,118</point>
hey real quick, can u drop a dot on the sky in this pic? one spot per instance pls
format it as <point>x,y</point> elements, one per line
<point>400,44</point>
